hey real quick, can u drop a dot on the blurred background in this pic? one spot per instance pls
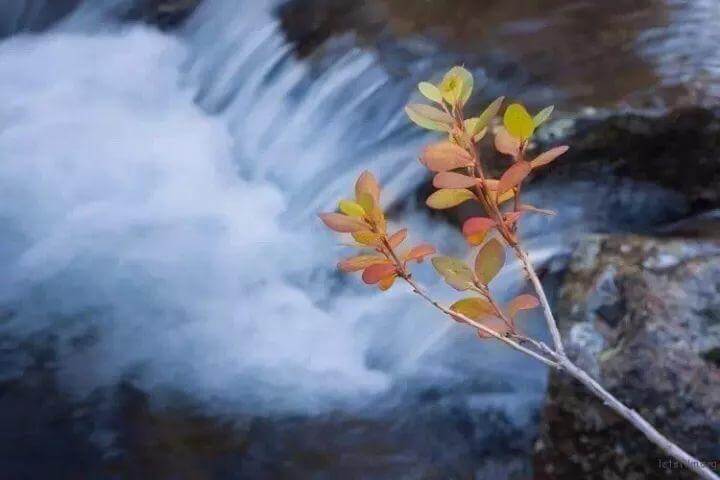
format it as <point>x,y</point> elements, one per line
<point>169,304</point>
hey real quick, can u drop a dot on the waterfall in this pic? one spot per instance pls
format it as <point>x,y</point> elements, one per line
<point>159,194</point>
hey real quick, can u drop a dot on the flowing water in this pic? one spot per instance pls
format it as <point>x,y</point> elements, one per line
<point>159,198</point>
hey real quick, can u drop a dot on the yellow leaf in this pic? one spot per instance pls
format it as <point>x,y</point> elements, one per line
<point>352,209</point>
<point>448,198</point>
<point>473,308</point>
<point>543,115</point>
<point>456,86</point>
<point>518,122</point>
<point>490,259</point>
<point>430,91</point>
<point>366,238</point>
<point>505,197</point>
<point>429,117</point>
<point>454,271</point>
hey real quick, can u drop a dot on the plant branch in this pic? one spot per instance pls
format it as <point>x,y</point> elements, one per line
<point>547,311</point>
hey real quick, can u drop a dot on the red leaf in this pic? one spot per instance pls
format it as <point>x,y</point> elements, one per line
<point>522,302</point>
<point>419,252</point>
<point>444,156</point>
<point>513,176</point>
<point>549,156</point>
<point>374,273</point>
<point>342,223</point>
<point>453,180</point>
<point>367,184</point>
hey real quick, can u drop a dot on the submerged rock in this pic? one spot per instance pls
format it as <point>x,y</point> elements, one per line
<point>642,316</point>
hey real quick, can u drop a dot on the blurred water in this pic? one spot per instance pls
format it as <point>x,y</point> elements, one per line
<point>159,208</point>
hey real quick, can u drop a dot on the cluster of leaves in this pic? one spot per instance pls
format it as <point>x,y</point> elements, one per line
<point>459,176</point>
<point>364,219</point>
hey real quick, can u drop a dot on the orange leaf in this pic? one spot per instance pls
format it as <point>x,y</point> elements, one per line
<point>367,184</point>
<point>453,180</point>
<point>342,223</point>
<point>397,238</point>
<point>419,252</point>
<point>360,262</point>
<point>522,302</point>
<point>496,324</point>
<point>476,228</point>
<point>444,156</point>
<point>374,273</point>
<point>506,143</point>
<point>512,217</point>
<point>513,176</point>
<point>387,282</point>
<point>549,156</point>
<point>490,259</point>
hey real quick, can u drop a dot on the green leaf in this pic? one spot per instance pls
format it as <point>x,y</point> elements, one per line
<point>543,115</point>
<point>455,272</point>
<point>518,122</point>
<point>487,115</point>
<point>489,261</point>
<point>430,91</point>
<point>429,117</point>
<point>448,198</point>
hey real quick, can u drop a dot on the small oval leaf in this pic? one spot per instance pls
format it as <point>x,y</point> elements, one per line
<point>342,223</point>
<point>496,324</point>
<point>474,308</point>
<point>444,156</point>
<point>367,238</point>
<point>455,272</point>
<point>387,282</point>
<point>518,122</point>
<point>360,262</point>
<point>488,114</point>
<point>513,176</point>
<point>506,143</point>
<point>522,302</point>
<point>475,229</point>
<point>430,91</point>
<point>543,115</point>
<point>374,273</point>
<point>448,198</point>
<point>351,209</point>
<point>367,184</point>
<point>419,252</point>
<point>453,180</point>
<point>429,117</point>
<point>397,238</point>
<point>549,156</point>
<point>489,261</point>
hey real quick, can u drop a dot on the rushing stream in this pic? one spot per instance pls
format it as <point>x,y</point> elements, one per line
<point>159,193</point>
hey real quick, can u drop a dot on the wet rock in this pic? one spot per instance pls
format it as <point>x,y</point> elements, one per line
<point>164,13</point>
<point>642,316</point>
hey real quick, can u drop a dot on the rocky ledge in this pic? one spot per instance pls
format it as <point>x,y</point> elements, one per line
<point>642,316</point>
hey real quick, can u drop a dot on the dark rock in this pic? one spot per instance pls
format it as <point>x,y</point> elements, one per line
<point>164,13</point>
<point>642,316</point>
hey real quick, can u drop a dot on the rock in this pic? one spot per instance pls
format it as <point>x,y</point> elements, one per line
<point>164,13</point>
<point>642,316</point>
